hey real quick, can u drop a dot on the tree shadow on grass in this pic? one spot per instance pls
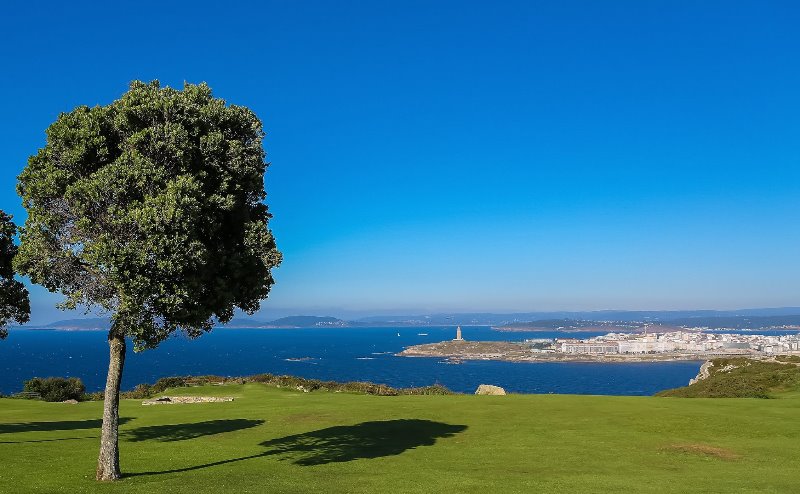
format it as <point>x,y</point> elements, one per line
<point>50,440</point>
<point>361,441</point>
<point>63,425</point>
<point>182,432</point>
<point>366,440</point>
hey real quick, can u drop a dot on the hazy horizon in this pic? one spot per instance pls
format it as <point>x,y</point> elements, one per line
<point>43,315</point>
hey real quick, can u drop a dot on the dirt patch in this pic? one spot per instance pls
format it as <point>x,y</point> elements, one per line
<point>704,450</point>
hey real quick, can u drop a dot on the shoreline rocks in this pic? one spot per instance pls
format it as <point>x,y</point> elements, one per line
<point>704,373</point>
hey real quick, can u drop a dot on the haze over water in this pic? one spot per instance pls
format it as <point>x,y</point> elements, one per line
<point>341,354</point>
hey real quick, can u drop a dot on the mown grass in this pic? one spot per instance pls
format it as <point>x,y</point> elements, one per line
<point>280,440</point>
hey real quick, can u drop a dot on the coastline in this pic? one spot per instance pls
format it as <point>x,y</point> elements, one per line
<point>455,351</point>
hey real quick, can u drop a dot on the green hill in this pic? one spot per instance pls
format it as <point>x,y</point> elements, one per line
<point>743,378</point>
<point>283,440</point>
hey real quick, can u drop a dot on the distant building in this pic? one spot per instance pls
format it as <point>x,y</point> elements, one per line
<point>458,334</point>
<point>592,348</point>
<point>681,342</point>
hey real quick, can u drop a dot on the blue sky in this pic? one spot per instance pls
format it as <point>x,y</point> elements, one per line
<point>470,156</point>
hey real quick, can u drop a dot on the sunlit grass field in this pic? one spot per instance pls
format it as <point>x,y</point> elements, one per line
<point>278,440</point>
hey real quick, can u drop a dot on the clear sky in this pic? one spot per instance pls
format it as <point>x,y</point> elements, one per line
<point>471,156</point>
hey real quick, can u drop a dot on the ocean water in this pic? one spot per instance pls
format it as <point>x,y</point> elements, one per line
<point>341,354</point>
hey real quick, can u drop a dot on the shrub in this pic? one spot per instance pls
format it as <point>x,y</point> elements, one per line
<point>741,378</point>
<point>144,391</point>
<point>348,387</point>
<point>168,382</point>
<point>436,389</point>
<point>56,388</point>
<point>140,392</point>
<point>94,396</point>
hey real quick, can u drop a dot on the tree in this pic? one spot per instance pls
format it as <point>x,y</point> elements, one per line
<point>14,302</point>
<point>150,209</point>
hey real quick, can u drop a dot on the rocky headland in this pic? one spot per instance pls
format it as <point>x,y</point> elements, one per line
<point>521,352</point>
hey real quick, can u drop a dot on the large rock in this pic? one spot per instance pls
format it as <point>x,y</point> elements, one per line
<point>705,372</point>
<point>488,389</point>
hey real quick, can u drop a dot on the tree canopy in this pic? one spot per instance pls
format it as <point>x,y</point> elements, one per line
<point>151,208</point>
<point>14,303</point>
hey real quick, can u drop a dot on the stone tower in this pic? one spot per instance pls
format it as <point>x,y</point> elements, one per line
<point>458,334</point>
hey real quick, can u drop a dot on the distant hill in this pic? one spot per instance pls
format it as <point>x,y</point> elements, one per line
<point>739,319</point>
<point>307,322</point>
<point>739,322</point>
<point>247,322</point>
<point>499,319</point>
<point>754,323</point>
<point>286,322</point>
<point>98,323</point>
<point>88,324</point>
<point>690,317</point>
<point>574,325</point>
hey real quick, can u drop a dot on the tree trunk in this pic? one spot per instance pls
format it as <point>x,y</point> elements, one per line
<point>108,462</point>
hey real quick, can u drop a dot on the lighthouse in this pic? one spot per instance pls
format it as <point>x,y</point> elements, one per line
<point>458,334</point>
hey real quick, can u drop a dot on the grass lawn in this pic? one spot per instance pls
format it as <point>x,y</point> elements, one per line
<point>276,440</point>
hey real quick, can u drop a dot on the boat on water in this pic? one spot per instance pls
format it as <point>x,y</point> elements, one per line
<point>422,334</point>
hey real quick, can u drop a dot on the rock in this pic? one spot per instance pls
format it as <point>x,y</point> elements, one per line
<point>172,400</point>
<point>705,371</point>
<point>70,402</point>
<point>488,389</point>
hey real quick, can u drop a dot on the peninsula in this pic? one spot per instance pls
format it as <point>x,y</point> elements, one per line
<point>614,347</point>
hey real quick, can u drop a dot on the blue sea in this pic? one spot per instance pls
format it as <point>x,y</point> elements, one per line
<point>340,354</point>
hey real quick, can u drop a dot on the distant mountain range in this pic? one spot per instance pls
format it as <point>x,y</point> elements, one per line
<point>99,323</point>
<point>739,319</point>
<point>288,322</point>
<point>88,324</point>
<point>494,319</point>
